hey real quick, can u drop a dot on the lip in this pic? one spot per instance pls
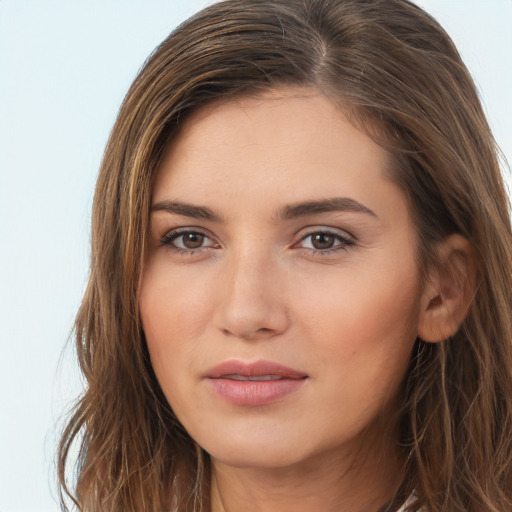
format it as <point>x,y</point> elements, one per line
<point>230,380</point>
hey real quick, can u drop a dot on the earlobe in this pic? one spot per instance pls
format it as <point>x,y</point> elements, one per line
<point>449,291</point>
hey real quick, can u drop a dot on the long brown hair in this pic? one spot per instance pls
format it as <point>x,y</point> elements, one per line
<point>397,74</point>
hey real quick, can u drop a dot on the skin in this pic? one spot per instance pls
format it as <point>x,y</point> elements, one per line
<point>255,287</point>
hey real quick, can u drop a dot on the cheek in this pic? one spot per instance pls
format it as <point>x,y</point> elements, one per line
<point>171,304</point>
<point>175,313</point>
<point>366,322</point>
<point>160,312</point>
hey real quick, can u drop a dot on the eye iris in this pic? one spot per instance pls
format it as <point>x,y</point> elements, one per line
<point>322,241</point>
<point>193,240</point>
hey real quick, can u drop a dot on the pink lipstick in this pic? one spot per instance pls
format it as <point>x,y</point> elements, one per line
<point>254,384</point>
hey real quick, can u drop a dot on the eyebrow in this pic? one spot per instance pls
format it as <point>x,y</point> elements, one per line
<point>333,204</point>
<point>187,210</point>
<point>293,211</point>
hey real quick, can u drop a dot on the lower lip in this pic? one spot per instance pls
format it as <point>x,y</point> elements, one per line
<point>254,393</point>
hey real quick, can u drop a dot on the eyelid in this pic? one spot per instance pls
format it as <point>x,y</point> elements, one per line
<point>347,240</point>
<point>172,234</point>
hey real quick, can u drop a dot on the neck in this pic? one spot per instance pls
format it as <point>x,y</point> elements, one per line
<point>332,482</point>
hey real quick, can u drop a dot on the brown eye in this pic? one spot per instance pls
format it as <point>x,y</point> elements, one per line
<point>326,241</point>
<point>193,240</point>
<point>322,241</point>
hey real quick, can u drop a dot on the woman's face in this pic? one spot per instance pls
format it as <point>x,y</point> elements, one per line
<point>281,296</point>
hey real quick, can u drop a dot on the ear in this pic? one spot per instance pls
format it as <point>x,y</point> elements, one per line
<point>449,291</point>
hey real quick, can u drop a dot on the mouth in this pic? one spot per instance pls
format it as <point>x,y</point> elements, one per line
<point>259,370</point>
<point>253,379</point>
<point>254,384</point>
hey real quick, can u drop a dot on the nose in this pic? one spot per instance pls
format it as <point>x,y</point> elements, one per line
<point>252,304</point>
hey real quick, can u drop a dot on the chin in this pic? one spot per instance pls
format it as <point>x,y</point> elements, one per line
<point>256,456</point>
<point>262,448</point>
<point>252,448</point>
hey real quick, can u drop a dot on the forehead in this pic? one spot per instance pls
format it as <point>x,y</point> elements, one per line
<point>286,145</point>
<point>291,122</point>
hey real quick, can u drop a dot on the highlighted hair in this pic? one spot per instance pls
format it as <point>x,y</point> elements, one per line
<point>393,71</point>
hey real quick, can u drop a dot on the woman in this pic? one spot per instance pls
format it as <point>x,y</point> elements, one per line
<point>300,287</point>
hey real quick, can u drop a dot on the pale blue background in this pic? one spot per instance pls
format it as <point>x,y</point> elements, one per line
<point>64,69</point>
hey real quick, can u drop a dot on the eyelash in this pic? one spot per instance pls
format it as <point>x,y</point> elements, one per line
<point>171,236</point>
<point>343,242</point>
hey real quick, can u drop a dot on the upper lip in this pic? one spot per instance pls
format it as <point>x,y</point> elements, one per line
<point>255,369</point>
